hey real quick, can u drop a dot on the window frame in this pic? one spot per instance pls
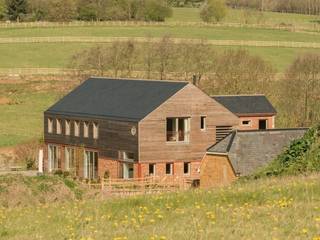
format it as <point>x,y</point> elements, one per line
<point>76,129</point>
<point>246,125</point>
<point>189,168</point>
<point>50,125</point>
<point>95,132</point>
<point>203,123</point>
<point>86,129</point>
<point>58,126</point>
<point>175,133</point>
<point>67,126</point>
<point>153,166</point>
<point>171,169</point>
<point>67,151</point>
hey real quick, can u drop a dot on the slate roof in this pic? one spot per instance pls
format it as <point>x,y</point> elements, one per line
<point>125,99</point>
<point>250,150</point>
<point>246,104</point>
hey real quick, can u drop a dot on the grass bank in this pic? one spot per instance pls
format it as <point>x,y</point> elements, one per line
<point>276,208</point>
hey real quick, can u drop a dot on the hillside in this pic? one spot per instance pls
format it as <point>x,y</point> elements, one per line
<point>272,208</point>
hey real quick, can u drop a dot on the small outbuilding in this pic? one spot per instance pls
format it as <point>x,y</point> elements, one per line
<point>243,152</point>
<point>255,112</point>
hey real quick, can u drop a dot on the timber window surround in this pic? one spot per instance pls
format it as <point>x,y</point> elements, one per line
<point>85,129</point>
<point>67,127</point>
<point>169,168</point>
<point>203,126</point>
<point>178,129</point>
<point>186,168</point>
<point>50,125</point>
<point>246,123</point>
<point>69,159</point>
<point>59,129</point>
<point>152,169</point>
<point>76,128</point>
<point>54,162</point>
<point>95,130</point>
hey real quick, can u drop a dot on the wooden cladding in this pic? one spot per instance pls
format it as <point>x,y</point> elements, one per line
<point>222,132</point>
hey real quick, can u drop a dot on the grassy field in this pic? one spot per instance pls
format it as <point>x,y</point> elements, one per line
<point>22,119</point>
<point>286,208</point>
<point>237,16</point>
<point>55,55</point>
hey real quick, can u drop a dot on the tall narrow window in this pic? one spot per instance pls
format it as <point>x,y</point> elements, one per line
<point>178,129</point>
<point>67,127</point>
<point>186,168</point>
<point>90,169</point>
<point>54,162</point>
<point>85,129</point>
<point>203,123</point>
<point>69,159</point>
<point>95,131</point>
<point>152,169</point>
<point>50,125</point>
<point>76,128</point>
<point>169,168</point>
<point>58,121</point>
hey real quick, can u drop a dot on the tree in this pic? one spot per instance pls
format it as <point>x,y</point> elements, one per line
<point>156,10</point>
<point>61,10</point>
<point>16,9</point>
<point>3,9</point>
<point>301,88</point>
<point>213,10</point>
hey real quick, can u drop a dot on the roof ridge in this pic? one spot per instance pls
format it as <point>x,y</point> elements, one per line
<point>135,79</point>
<point>239,95</point>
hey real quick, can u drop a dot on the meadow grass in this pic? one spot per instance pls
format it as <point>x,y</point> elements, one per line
<point>237,16</point>
<point>57,55</point>
<point>22,119</point>
<point>283,208</point>
<point>210,33</point>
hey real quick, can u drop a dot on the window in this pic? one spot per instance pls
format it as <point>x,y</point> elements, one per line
<point>169,168</point>
<point>246,123</point>
<point>152,169</point>
<point>178,129</point>
<point>50,125</point>
<point>90,165</point>
<point>76,128</point>
<point>53,157</point>
<point>58,126</point>
<point>95,131</point>
<point>187,168</point>
<point>85,129</point>
<point>128,156</point>
<point>67,127</point>
<point>69,159</point>
<point>203,123</point>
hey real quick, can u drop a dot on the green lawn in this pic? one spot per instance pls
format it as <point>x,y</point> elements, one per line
<point>215,33</point>
<point>237,16</point>
<point>22,120</point>
<point>56,55</point>
<point>265,209</point>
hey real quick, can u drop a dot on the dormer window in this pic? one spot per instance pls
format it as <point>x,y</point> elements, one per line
<point>86,129</point>
<point>58,122</point>
<point>67,127</point>
<point>76,129</point>
<point>50,125</point>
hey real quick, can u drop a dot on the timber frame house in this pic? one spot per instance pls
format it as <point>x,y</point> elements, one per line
<point>122,128</point>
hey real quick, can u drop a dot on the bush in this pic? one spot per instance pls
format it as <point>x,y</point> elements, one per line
<point>213,11</point>
<point>156,10</point>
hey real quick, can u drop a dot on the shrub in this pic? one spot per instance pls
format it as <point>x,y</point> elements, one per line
<point>213,11</point>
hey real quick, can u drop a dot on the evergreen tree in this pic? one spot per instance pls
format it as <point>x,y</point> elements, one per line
<point>16,9</point>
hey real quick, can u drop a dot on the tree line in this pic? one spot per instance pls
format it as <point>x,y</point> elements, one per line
<point>232,71</point>
<point>87,10</point>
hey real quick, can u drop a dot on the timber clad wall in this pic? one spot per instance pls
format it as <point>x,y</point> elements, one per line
<point>188,102</point>
<point>114,136</point>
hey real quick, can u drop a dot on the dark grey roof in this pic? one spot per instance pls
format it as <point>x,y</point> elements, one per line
<point>249,150</point>
<point>116,98</point>
<point>246,104</point>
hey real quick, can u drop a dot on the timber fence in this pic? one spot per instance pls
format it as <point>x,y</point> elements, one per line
<point>243,43</point>
<point>290,26</point>
<point>148,185</point>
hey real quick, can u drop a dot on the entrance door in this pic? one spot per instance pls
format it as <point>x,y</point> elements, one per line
<point>262,124</point>
<point>90,166</point>
<point>127,170</point>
